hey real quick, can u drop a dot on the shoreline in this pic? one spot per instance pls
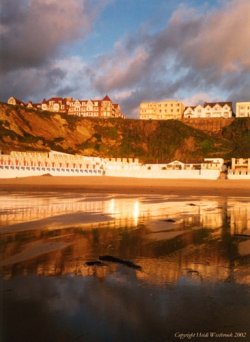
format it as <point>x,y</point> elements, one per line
<point>221,187</point>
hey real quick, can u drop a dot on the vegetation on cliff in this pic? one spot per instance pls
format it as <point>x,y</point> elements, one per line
<point>151,141</point>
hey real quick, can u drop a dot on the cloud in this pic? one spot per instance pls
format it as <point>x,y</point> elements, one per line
<point>196,52</point>
<point>200,53</point>
<point>34,34</point>
<point>34,30</point>
<point>120,78</point>
<point>198,98</point>
<point>61,77</point>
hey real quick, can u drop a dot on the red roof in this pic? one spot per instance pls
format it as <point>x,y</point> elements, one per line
<point>56,99</point>
<point>106,98</point>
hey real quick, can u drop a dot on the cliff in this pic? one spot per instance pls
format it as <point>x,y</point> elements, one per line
<point>151,141</point>
<point>208,125</point>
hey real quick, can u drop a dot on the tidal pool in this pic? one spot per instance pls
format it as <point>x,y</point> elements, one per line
<point>194,274</point>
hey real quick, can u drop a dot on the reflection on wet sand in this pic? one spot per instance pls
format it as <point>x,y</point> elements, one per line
<point>192,266</point>
<point>16,209</point>
<point>169,237</point>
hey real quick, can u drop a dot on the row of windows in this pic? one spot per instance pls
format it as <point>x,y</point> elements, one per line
<point>84,109</point>
<point>27,168</point>
<point>209,108</point>
<point>171,110</point>
<point>199,111</point>
<point>160,111</point>
<point>79,103</point>
<point>155,105</point>
<point>244,107</point>
<point>169,104</point>
<point>207,115</point>
<point>157,117</point>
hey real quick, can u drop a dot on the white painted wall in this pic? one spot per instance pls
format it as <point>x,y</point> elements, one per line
<point>13,172</point>
<point>164,174</point>
<point>238,174</point>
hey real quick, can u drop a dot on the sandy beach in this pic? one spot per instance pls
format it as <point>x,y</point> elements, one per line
<point>220,187</point>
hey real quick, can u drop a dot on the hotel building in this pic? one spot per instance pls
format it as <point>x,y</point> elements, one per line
<point>242,109</point>
<point>163,110</point>
<point>95,108</point>
<point>240,169</point>
<point>209,110</point>
<point>104,108</point>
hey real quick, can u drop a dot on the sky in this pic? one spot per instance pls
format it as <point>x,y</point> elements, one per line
<point>131,50</point>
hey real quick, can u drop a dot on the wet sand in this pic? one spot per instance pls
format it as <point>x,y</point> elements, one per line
<point>118,185</point>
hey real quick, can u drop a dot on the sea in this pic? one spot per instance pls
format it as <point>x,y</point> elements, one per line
<point>108,267</point>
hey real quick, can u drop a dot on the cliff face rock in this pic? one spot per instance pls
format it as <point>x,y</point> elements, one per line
<point>151,141</point>
<point>209,126</point>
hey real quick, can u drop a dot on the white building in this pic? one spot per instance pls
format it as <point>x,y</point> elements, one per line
<point>209,110</point>
<point>15,102</point>
<point>194,112</point>
<point>240,168</point>
<point>55,104</point>
<point>242,109</point>
<point>26,164</point>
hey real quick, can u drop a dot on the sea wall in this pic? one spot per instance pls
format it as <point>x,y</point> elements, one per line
<point>164,174</point>
<point>238,174</point>
<point>26,171</point>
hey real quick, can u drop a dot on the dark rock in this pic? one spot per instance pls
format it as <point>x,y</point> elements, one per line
<point>128,263</point>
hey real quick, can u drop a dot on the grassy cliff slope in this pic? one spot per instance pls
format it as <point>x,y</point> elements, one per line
<point>151,141</point>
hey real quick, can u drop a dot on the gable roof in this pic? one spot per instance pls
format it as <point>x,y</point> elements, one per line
<point>17,100</point>
<point>191,107</point>
<point>106,98</point>
<point>212,104</point>
<point>56,99</point>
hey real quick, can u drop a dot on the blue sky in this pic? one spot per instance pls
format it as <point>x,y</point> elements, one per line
<point>132,50</point>
<point>121,18</point>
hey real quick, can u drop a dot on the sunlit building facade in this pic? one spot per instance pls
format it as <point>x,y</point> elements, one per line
<point>242,109</point>
<point>240,169</point>
<point>163,110</point>
<point>241,164</point>
<point>15,102</point>
<point>103,108</point>
<point>95,108</point>
<point>209,110</point>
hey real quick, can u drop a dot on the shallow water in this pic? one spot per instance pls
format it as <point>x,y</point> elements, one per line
<point>194,255</point>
